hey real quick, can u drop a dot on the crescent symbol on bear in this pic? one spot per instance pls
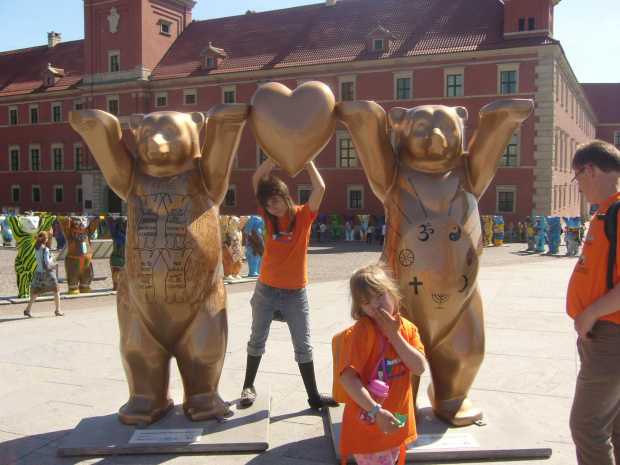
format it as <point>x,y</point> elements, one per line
<point>466,283</point>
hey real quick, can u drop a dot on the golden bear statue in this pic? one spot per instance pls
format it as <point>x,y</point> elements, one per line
<point>171,300</point>
<point>430,188</point>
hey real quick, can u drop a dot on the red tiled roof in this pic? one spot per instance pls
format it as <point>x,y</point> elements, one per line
<point>605,100</point>
<point>20,70</point>
<point>317,34</point>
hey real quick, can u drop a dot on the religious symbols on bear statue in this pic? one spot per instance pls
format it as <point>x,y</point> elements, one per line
<point>171,298</point>
<point>25,228</point>
<point>255,244</point>
<point>571,236</point>
<point>554,234</point>
<point>231,247</point>
<point>430,189</point>
<point>78,231</point>
<point>117,228</point>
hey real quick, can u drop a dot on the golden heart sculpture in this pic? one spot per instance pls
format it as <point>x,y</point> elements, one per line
<point>292,127</point>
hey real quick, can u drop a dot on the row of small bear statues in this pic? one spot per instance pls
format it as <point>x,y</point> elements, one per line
<point>537,231</point>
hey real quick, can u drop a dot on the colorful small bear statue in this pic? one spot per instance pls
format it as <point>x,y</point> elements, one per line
<point>117,228</point>
<point>554,235</point>
<point>255,244</point>
<point>572,236</point>
<point>498,231</point>
<point>78,231</point>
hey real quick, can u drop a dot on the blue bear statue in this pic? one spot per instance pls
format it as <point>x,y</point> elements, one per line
<point>572,236</point>
<point>498,230</point>
<point>554,236</point>
<point>540,233</point>
<point>255,244</point>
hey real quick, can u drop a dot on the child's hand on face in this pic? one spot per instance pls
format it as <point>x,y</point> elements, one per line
<point>387,323</point>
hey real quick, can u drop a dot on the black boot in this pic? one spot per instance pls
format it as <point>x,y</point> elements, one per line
<point>248,394</point>
<point>315,400</point>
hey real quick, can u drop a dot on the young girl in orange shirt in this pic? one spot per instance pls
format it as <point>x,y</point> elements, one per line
<point>374,428</point>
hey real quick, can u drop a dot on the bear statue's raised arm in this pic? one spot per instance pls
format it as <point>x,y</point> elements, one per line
<point>224,125</point>
<point>102,133</point>
<point>497,122</point>
<point>367,124</point>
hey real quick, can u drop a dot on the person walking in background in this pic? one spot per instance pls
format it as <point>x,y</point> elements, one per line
<point>594,305</point>
<point>44,279</point>
<point>283,278</point>
<point>375,426</point>
<point>369,232</point>
<point>322,230</point>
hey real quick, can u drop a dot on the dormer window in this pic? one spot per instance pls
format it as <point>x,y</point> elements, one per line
<point>379,40</point>
<point>213,56</point>
<point>165,27</point>
<point>52,75</point>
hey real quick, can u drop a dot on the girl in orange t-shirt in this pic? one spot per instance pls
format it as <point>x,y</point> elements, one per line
<point>283,278</point>
<point>370,430</point>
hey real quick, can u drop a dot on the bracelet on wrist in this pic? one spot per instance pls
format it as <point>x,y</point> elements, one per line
<point>374,411</point>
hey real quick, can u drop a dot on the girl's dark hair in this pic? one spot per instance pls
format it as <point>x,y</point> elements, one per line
<point>42,239</point>
<point>270,187</point>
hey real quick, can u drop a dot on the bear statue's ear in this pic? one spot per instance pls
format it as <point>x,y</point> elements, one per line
<point>462,112</point>
<point>396,115</point>
<point>134,122</point>
<point>198,119</point>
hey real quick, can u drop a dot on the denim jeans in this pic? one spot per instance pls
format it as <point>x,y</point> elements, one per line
<point>595,416</point>
<point>293,303</point>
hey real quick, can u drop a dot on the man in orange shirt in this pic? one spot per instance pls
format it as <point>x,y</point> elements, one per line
<point>595,416</point>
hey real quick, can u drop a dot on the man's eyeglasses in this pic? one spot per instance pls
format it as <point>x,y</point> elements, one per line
<point>574,180</point>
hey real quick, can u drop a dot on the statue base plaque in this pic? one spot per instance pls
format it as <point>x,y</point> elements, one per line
<point>243,430</point>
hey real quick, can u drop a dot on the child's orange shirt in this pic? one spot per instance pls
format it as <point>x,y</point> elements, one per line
<point>285,261</point>
<point>588,282</point>
<point>356,437</point>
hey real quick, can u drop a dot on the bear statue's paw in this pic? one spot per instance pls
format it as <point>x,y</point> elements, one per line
<point>143,409</point>
<point>457,412</point>
<point>205,407</point>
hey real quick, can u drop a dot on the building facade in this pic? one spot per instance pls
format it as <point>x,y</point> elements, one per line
<point>140,56</point>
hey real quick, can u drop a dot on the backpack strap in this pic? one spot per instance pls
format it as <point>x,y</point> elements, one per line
<point>611,231</point>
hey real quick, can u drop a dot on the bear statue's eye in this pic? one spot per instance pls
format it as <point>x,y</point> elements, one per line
<point>146,132</point>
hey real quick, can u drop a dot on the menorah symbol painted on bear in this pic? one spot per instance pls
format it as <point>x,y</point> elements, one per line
<point>440,299</point>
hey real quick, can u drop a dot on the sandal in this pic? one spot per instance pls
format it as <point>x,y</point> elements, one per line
<point>28,313</point>
<point>59,313</point>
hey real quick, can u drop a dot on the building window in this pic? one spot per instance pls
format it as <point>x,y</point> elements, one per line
<point>115,61</point>
<point>56,113</point>
<point>59,196</point>
<point>36,193</point>
<point>189,97</point>
<point>113,106</point>
<point>231,197</point>
<point>617,138</point>
<point>505,200</point>
<point>34,115</point>
<point>262,156</point>
<point>377,44</point>
<point>78,105</point>
<point>304,191</point>
<point>403,88</point>
<point>14,158</point>
<point>35,160</point>
<point>355,195</point>
<point>161,100</point>
<point>521,24</point>
<point>347,153</point>
<point>58,159</point>
<point>164,27</point>
<point>228,96</point>
<point>530,24</point>
<point>347,90</point>
<point>454,85</point>
<point>511,155</point>
<point>15,193</point>
<point>79,193</point>
<point>79,160</point>
<point>13,116</point>
<point>508,82</point>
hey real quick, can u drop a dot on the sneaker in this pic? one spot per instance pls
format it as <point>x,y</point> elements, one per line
<point>323,400</point>
<point>248,396</point>
<point>277,315</point>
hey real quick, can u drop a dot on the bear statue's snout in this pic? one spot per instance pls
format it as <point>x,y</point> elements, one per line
<point>436,142</point>
<point>157,145</point>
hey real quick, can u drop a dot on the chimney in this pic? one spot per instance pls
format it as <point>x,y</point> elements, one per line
<point>330,2</point>
<point>53,39</point>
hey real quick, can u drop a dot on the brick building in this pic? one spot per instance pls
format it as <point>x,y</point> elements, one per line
<point>140,56</point>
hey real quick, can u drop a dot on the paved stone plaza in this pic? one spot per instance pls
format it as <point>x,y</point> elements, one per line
<point>55,372</point>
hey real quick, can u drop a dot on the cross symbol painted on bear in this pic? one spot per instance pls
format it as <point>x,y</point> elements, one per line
<point>416,283</point>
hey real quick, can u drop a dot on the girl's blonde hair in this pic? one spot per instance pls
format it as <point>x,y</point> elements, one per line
<point>369,280</point>
<point>42,239</point>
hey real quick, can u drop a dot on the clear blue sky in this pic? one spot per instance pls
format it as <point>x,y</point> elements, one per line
<point>588,30</point>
